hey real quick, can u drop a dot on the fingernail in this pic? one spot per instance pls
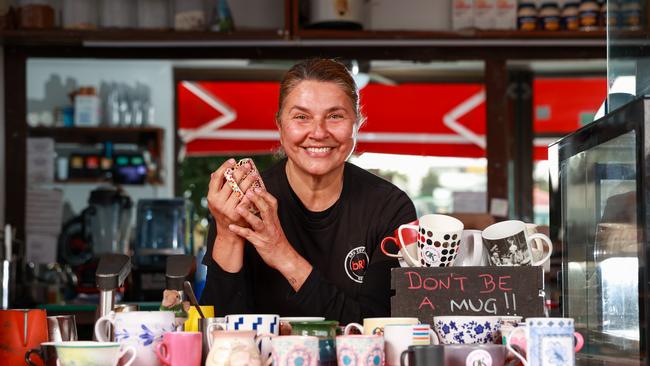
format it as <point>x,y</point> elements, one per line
<point>231,161</point>
<point>258,190</point>
<point>249,193</point>
<point>231,227</point>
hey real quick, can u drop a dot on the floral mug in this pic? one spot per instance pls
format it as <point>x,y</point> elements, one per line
<point>141,329</point>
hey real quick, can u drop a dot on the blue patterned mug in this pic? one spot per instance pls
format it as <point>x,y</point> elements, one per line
<point>141,329</point>
<point>262,323</point>
<point>454,329</point>
<point>548,341</point>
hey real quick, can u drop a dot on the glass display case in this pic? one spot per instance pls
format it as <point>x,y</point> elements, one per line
<point>599,195</point>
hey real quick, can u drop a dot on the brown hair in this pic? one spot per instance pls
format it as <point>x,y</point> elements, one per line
<point>321,69</point>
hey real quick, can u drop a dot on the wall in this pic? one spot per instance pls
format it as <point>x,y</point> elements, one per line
<point>49,80</point>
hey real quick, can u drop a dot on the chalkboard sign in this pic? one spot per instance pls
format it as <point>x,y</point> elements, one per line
<point>428,292</point>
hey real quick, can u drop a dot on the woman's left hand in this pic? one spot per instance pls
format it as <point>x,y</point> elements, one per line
<point>265,232</point>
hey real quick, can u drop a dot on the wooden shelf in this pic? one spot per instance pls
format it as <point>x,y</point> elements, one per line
<point>463,35</point>
<point>92,135</point>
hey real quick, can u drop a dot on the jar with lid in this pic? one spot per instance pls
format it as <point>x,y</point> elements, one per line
<point>610,14</point>
<point>117,14</point>
<point>549,16</point>
<point>630,11</point>
<point>80,14</point>
<point>35,14</point>
<point>190,15</point>
<point>527,16</point>
<point>588,13</point>
<point>154,14</point>
<point>570,16</point>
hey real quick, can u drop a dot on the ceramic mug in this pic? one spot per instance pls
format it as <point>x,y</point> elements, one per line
<point>438,240</point>
<point>93,353</point>
<point>140,329</point>
<point>46,352</point>
<point>234,348</point>
<point>20,331</point>
<point>475,354</point>
<point>372,326</point>
<point>398,337</point>
<point>285,322</point>
<point>509,244</point>
<point>360,350</point>
<point>262,323</point>
<point>294,351</point>
<point>408,241</point>
<point>456,329</point>
<point>549,341</point>
<point>471,251</point>
<point>326,332</point>
<point>193,316</point>
<point>423,356</point>
<point>180,349</point>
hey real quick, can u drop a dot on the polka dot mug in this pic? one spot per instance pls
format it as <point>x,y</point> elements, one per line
<point>439,239</point>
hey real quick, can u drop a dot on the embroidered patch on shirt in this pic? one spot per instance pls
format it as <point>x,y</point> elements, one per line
<point>355,264</point>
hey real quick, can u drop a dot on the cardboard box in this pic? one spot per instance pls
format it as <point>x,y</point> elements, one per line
<point>462,14</point>
<point>506,14</point>
<point>484,14</point>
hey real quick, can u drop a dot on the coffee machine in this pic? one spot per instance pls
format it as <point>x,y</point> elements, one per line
<point>163,228</point>
<point>102,227</point>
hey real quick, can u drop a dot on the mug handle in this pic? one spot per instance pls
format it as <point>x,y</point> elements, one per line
<point>401,239</point>
<point>212,327</point>
<point>131,359</point>
<point>348,327</point>
<point>477,249</point>
<point>29,353</point>
<point>163,353</point>
<point>580,341</point>
<point>101,330</point>
<point>386,252</point>
<point>434,337</point>
<point>545,239</point>
<point>402,357</point>
<point>509,345</point>
<point>261,336</point>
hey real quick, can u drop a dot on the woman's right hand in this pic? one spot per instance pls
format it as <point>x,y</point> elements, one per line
<point>222,203</point>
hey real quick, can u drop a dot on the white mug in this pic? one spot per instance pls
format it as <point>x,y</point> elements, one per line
<point>399,337</point>
<point>375,326</point>
<point>438,240</point>
<point>140,329</point>
<point>509,244</point>
<point>294,350</point>
<point>471,251</point>
<point>264,324</point>
<point>73,353</point>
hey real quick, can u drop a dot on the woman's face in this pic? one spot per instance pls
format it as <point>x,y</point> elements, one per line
<point>317,127</point>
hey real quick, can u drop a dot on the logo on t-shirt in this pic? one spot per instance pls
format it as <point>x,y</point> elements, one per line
<point>355,264</point>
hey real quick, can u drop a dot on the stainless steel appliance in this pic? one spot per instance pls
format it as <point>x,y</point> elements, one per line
<point>163,229</point>
<point>600,195</point>
<point>112,270</point>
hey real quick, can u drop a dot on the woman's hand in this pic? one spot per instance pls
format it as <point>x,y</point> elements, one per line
<point>266,234</point>
<point>228,249</point>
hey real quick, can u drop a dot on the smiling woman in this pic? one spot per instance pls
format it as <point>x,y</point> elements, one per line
<point>313,248</point>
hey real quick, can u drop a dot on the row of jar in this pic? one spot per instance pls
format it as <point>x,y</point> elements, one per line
<point>145,14</point>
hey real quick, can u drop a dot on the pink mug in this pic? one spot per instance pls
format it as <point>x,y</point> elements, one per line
<point>402,242</point>
<point>180,349</point>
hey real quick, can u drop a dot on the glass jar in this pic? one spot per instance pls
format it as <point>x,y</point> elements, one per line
<point>527,16</point>
<point>117,14</point>
<point>570,16</point>
<point>588,13</point>
<point>189,15</point>
<point>80,14</point>
<point>154,14</point>
<point>549,16</point>
<point>630,11</point>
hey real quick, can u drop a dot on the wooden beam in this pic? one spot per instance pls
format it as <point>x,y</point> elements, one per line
<point>500,134</point>
<point>15,76</point>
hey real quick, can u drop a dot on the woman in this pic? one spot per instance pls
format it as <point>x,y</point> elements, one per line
<point>314,248</point>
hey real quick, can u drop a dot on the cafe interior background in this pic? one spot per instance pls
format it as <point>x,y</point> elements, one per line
<point>151,96</point>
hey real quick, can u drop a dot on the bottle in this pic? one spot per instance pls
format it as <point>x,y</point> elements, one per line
<point>549,16</point>
<point>527,16</point>
<point>221,17</point>
<point>588,13</point>
<point>631,15</point>
<point>570,20</point>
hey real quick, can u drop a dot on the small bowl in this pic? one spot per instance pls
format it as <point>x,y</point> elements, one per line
<point>452,329</point>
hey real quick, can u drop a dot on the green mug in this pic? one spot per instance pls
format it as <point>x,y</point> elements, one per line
<point>325,330</point>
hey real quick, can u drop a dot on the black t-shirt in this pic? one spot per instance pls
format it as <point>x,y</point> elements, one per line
<point>350,279</point>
